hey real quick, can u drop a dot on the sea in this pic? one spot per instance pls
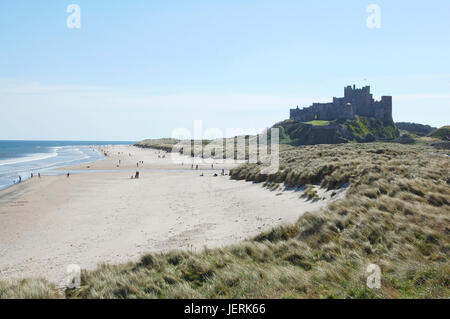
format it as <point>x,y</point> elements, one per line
<point>23,158</point>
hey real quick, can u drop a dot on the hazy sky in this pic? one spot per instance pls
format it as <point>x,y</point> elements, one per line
<point>140,69</point>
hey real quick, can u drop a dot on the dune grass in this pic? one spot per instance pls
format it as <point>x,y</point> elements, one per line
<point>395,214</point>
<point>28,289</point>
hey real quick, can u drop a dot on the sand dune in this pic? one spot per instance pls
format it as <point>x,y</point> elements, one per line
<point>104,216</point>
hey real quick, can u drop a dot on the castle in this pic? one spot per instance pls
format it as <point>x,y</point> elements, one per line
<point>356,102</point>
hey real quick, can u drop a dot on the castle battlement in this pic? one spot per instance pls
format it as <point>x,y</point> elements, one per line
<point>356,102</point>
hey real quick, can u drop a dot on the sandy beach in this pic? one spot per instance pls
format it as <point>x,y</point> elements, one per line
<point>99,214</point>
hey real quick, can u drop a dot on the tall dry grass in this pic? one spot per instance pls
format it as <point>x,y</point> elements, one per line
<point>28,289</point>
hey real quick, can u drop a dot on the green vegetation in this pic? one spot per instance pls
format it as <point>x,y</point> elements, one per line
<point>318,123</point>
<point>441,132</point>
<point>369,129</point>
<point>395,214</point>
<point>336,132</point>
<point>414,129</point>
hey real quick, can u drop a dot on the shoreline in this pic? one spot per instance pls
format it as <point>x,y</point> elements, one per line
<point>54,168</point>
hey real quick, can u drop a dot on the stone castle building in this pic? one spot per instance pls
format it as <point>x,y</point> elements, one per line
<point>356,102</point>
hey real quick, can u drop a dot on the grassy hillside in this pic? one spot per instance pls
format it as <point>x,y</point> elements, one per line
<point>318,123</point>
<point>415,129</point>
<point>165,144</point>
<point>336,132</point>
<point>441,132</point>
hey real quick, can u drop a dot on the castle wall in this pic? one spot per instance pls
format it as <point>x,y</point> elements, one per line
<point>356,102</point>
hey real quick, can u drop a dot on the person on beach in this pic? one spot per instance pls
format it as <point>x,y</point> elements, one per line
<point>137,175</point>
<point>20,178</point>
<point>68,175</point>
<point>39,175</point>
<point>31,175</point>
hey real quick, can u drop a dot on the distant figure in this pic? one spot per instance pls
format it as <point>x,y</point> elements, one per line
<point>137,175</point>
<point>68,175</point>
<point>212,166</point>
<point>20,178</point>
<point>196,166</point>
<point>31,175</point>
<point>192,166</point>
<point>137,164</point>
<point>39,175</point>
<point>223,172</point>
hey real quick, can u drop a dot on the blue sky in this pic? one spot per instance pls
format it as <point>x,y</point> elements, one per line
<point>139,69</point>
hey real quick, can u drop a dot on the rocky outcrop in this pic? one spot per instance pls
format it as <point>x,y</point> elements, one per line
<point>360,130</point>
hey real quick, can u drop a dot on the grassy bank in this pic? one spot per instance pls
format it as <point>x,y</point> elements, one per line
<point>396,214</point>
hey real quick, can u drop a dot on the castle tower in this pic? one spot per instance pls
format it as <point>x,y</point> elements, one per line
<point>348,93</point>
<point>386,104</point>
